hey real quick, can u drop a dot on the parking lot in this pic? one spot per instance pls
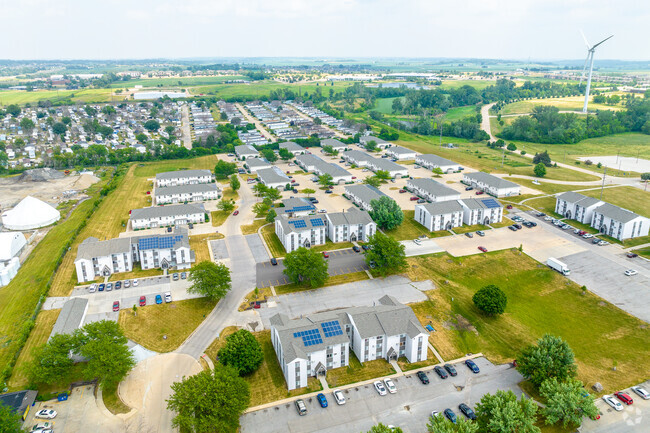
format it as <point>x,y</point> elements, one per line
<point>632,419</point>
<point>408,409</point>
<point>339,262</point>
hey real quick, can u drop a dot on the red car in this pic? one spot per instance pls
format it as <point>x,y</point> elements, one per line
<point>415,198</point>
<point>402,191</point>
<point>509,206</point>
<point>326,254</point>
<point>354,177</point>
<point>143,301</point>
<point>479,192</point>
<point>235,213</point>
<point>624,398</point>
<point>116,306</point>
<point>483,249</point>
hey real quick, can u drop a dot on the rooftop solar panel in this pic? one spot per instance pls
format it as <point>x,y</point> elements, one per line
<point>317,222</point>
<point>332,328</point>
<point>490,203</point>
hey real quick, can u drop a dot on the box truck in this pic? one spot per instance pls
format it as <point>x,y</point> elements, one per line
<point>554,263</point>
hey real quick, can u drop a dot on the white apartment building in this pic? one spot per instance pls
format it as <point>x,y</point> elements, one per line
<point>294,148</point>
<point>184,177</point>
<point>301,231</point>
<point>316,165</point>
<point>167,216</point>
<point>492,185</point>
<point>401,153</point>
<point>336,144</point>
<point>273,178</point>
<point>481,211</point>
<point>381,144</point>
<point>353,225</point>
<point>255,164</point>
<point>431,190</point>
<point>444,215</point>
<point>431,161</point>
<point>619,223</point>
<point>573,205</point>
<point>186,193</point>
<point>363,194</point>
<point>246,151</point>
<point>383,164</point>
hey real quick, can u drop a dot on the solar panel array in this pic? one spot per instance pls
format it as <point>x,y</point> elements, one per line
<point>317,222</point>
<point>158,242</point>
<point>332,328</point>
<point>299,224</point>
<point>309,337</point>
<point>301,208</point>
<point>490,203</point>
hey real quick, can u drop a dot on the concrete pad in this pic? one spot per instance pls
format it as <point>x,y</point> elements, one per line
<point>427,246</point>
<point>624,163</point>
<point>140,353</point>
<point>148,385</point>
<point>219,249</point>
<point>257,248</point>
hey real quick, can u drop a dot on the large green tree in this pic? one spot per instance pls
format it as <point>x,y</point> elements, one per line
<point>10,422</point>
<point>540,170</point>
<point>372,181</point>
<point>226,205</point>
<point>269,155</point>
<point>566,402</point>
<point>386,213</point>
<point>235,184</point>
<point>271,215</point>
<point>325,179</point>
<point>285,154</point>
<point>211,401</point>
<point>59,128</point>
<point>151,125</point>
<point>51,361</point>
<point>386,253</point>
<point>503,413</point>
<point>305,266</point>
<point>550,357</point>
<point>223,169</point>
<point>440,424</point>
<point>382,428</point>
<point>242,352</point>
<point>272,194</point>
<point>209,279</point>
<point>27,124</point>
<point>491,300</point>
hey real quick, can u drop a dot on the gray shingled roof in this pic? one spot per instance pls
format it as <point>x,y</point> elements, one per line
<point>434,188</point>
<point>493,181</point>
<point>332,142</point>
<point>185,189</point>
<point>288,228</point>
<point>358,155</point>
<point>272,175</point>
<point>436,160</point>
<point>577,198</point>
<point>245,149</point>
<point>351,217</point>
<point>478,203</point>
<point>294,202</point>
<point>71,316</point>
<point>365,193</point>
<point>163,211</point>
<point>257,162</point>
<point>291,146</point>
<point>387,165</point>
<point>183,173</point>
<point>92,247</point>
<point>616,213</point>
<point>442,207</point>
<point>366,138</point>
<point>322,166</point>
<point>399,150</point>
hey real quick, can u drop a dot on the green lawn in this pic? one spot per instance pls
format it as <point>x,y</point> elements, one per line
<point>272,241</point>
<point>357,372</point>
<point>384,105</point>
<point>570,103</point>
<point>333,280</point>
<point>544,204</point>
<point>627,197</point>
<point>466,229</point>
<point>21,97</point>
<point>250,229</point>
<point>644,252</point>
<point>409,229</point>
<point>547,187</point>
<point>539,301</point>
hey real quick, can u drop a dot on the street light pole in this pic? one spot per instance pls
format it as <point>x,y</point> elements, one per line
<point>603,187</point>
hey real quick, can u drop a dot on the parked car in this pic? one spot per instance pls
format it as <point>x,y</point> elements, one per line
<point>630,272</point>
<point>109,287</point>
<point>402,191</point>
<point>513,228</point>
<point>92,288</point>
<point>588,236</point>
<point>135,283</point>
<point>381,389</point>
<point>469,188</point>
<point>235,213</point>
<point>451,370</point>
<point>632,255</point>
<point>451,416</point>
<point>116,306</point>
<point>143,301</point>
<point>127,284</point>
<point>390,386</point>
<point>415,198</point>
<point>611,401</point>
<point>322,211</point>
<point>603,243</point>
<point>322,400</point>
<point>423,377</point>
<point>372,264</point>
<point>45,414</point>
<point>175,277</point>
<point>300,407</point>
<point>421,201</point>
<point>183,275</point>
<point>469,235</point>
<point>595,241</point>
<point>440,372</point>
<point>480,233</point>
<point>624,398</point>
<point>168,297</point>
<point>417,241</point>
<point>435,413</point>
<point>479,192</point>
<point>118,285</point>
<point>42,427</point>
<point>467,411</point>
<point>356,249</point>
<point>483,249</point>
<point>329,191</point>
<point>641,392</point>
<point>326,254</point>
<point>159,299</point>
<point>274,261</point>
<point>338,397</point>
<point>509,206</point>
<point>472,366</point>
<point>365,247</point>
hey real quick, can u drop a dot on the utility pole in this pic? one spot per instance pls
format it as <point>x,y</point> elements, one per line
<point>603,187</point>
<point>503,155</point>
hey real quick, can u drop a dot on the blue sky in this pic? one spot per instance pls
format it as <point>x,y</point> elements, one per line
<point>513,29</point>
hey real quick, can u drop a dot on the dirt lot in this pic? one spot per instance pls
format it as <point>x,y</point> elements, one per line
<point>13,190</point>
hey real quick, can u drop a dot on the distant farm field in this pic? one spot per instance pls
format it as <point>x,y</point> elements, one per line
<point>570,103</point>
<point>177,81</point>
<point>21,97</point>
<point>258,89</point>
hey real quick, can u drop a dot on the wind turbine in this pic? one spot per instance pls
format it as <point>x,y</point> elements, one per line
<point>590,59</point>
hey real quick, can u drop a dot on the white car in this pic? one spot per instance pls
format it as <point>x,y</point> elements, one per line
<point>536,182</point>
<point>548,218</point>
<point>135,283</point>
<point>588,236</point>
<point>92,288</point>
<point>45,414</point>
<point>576,231</point>
<point>434,413</point>
<point>338,397</point>
<point>417,241</point>
<point>381,389</point>
<point>168,297</point>
<point>603,243</point>
<point>641,392</point>
<point>390,386</point>
<point>630,272</point>
<point>42,427</point>
<point>322,211</point>
<point>615,404</point>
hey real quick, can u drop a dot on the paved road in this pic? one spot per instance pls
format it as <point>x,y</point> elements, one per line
<point>256,122</point>
<point>339,262</point>
<point>356,294</point>
<point>408,409</point>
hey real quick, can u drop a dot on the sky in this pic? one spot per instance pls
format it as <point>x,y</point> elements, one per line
<point>328,29</point>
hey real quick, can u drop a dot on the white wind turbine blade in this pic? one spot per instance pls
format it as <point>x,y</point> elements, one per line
<point>602,41</point>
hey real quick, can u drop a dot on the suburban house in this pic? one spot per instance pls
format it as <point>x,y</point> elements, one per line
<point>431,190</point>
<point>362,195</point>
<point>186,193</point>
<point>246,151</point>
<point>316,165</point>
<point>431,161</point>
<point>299,232</point>
<point>296,206</point>
<point>357,157</point>
<point>401,153</point>
<point>336,144</point>
<point>273,177</point>
<point>254,164</point>
<point>492,185</point>
<point>294,148</point>
<point>97,258</point>
<point>383,164</point>
<point>619,223</point>
<point>312,345</point>
<point>381,144</point>
<point>481,211</point>
<point>184,177</point>
<point>444,215</point>
<point>167,216</point>
<point>354,225</point>
<point>575,206</point>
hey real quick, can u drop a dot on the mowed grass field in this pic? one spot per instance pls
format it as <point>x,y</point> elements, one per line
<point>539,301</point>
<point>174,82</point>
<point>261,88</point>
<point>22,97</point>
<point>627,197</point>
<point>570,103</point>
<point>112,216</point>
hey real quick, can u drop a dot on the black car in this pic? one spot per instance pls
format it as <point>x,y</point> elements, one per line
<point>441,372</point>
<point>469,235</point>
<point>540,214</point>
<point>469,188</point>
<point>467,411</point>
<point>513,228</point>
<point>329,191</point>
<point>295,191</point>
<point>450,368</point>
<point>517,226</point>
<point>423,377</point>
<point>472,366</point>
<point>274,261</point>
<point>365,247</point>
<point>118,285</point>
<point>451,416</point>
<point>356,249</point>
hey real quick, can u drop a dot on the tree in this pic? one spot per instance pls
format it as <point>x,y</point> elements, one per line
<point>51,361</point>
<point>10,422</point>
<point>325,179</point>
<point>371,146</point>
<point>59,128</point>
<point>440,424</point>
<point>318,121</point>
<point>387,254</point>
<point>645,176</point>
<point>540,170</point>
<point>285,154</point>
<point>260,189</point>
<point>512,147</point>
<point>13,109</point>
<point>306,266</point>
<point>152,125</point>
<point>542,157</point>
<point>169,129</point>
<point>223,169</point>
<point>26,123</point>
<point>386,213</point>
<point>261,208</point>
<point>502,412</point>
<point>272,194</point>
<point>372,181</point>
<point>108,110</point>
<point>550,357</point>
<point>271,215</point>
<point>242,352</point>
<point>382,175</point>
<point>491,300</point>
<point>330,150</point>
<point>209,279</point>
<point>309,191</point>
<point>381,428</point>
<point>211,401</point>
<point>566,402</point>
<point>226,205</point>
<point>142,138</point>
<point>104,345</point>
<point>234,182</point>
<point>269,155</point>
